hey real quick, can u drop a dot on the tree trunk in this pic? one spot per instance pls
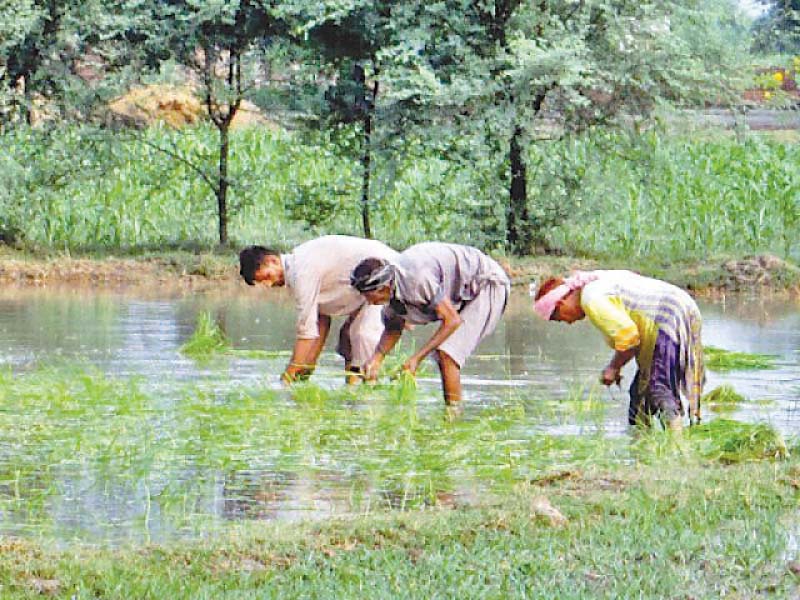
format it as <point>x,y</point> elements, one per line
<point>518,234</point>
<point>365,161</point>
<point>222,188</point>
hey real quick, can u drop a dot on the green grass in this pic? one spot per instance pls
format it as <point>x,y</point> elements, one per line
<point>719,359</point>
<point>643,531</point>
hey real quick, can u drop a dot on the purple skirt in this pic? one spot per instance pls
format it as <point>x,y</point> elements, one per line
<point>662,395</point>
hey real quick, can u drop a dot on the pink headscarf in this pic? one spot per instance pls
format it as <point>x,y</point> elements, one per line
<point>545,305</point>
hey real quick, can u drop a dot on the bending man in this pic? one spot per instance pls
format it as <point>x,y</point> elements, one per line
<point>318,275</point>
<point>458,286</point>
<point>653,321</point>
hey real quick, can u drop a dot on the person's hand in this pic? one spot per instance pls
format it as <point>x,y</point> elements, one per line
<point>411,365</point>
<point>610,375</point>
<point>372,367</point>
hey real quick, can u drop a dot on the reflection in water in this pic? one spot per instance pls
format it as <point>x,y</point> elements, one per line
<point>169,447</point>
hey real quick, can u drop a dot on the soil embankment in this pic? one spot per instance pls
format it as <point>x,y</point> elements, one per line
<point>758,273</point>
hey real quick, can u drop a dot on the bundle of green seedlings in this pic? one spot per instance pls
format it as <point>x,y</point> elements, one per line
<point>208,340</point>
<point>719,359</point>
<point>723,398</point>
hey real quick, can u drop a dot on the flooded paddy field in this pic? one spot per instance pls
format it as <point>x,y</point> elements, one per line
<point>108,434</point>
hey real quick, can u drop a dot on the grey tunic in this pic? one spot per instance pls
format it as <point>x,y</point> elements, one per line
<point>317,273</point>
<point>475,284</point>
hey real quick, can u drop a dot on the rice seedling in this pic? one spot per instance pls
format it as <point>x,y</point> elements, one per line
<point>725,394</point>
<point>369,447</point>
<point>208,339</point>
<point>404,388</point>
<point>730,441</point>
<point>719,359</point>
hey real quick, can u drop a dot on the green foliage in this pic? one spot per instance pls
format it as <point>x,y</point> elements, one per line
<point>653,195</point>
<point>778,29</point>
<point>63,59</point>
<point>502,68</point>
<point>678,197</point>
<point>718,359</point>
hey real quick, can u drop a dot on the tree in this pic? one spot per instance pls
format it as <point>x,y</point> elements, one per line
<point>350,38</point>
<point>61,55</point>
<point>221,43</point>
<point>778,29</point>
<point>525,72</point>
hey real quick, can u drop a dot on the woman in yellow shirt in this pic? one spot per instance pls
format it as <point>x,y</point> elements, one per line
<point>651,320</point>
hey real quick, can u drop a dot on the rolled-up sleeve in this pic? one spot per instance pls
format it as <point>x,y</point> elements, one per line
<point>422,290</point>
<point>306,294</point>
<point>614,322</point>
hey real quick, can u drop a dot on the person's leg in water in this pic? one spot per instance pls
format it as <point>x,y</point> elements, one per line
<point>358,338</point>
<point>480,317</point>
<point>451,377</point>
<point>637,409</point>
<point>345,349</point>
<point>668,405</point>
<point>663,391</point>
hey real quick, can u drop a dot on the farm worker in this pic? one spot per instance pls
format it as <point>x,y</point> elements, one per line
<point>317,273</point>
<point>459,287</point>
<point>654,321</point>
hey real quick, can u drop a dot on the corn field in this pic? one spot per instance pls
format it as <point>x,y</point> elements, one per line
<point>609,194</point>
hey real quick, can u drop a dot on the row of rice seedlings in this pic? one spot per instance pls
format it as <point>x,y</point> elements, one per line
<point>209,340</point>
<point>206,340</point>
<point>169,457</point>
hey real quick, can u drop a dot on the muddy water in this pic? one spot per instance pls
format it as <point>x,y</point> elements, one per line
<point>199,453</point>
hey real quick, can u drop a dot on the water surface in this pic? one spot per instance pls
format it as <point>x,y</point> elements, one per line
<point>131,441</point>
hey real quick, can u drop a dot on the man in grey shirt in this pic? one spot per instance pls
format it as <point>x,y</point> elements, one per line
<point>459,286</point>
<point>317,273</point>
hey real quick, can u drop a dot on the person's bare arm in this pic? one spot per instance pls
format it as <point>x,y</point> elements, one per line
<point>620,359</point>
<point>306,352</point>
<point>389,338</point>
<point>451,321</point>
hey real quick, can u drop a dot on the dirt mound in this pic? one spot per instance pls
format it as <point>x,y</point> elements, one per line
<point>142,106</point>
<point>761,270</point>
<point>175,106</point>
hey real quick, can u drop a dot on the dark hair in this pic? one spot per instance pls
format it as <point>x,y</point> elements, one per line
<point>250,260</point>
<point>366,268</point>
<point>547,285</point>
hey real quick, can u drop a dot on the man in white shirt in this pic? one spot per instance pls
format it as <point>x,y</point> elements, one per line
<point>317,273</point>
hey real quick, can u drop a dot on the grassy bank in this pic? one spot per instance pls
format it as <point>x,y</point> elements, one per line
<point>674,528</point>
